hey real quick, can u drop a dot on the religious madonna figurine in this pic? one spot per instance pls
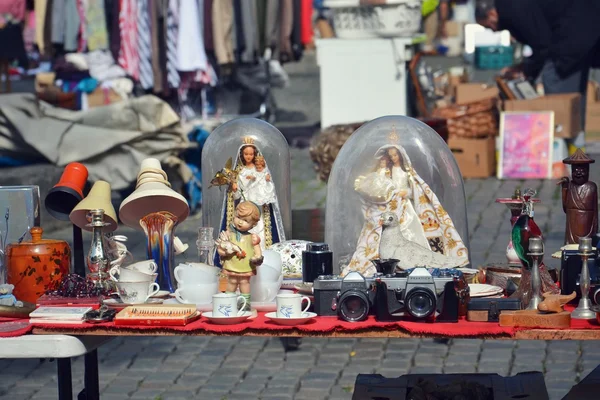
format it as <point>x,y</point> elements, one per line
<point>403,219</point>
<point>253,183</point>
<point>239,250</point>
<point>579,199</point>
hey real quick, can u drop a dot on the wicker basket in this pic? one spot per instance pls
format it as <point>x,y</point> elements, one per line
<point>473,120</point>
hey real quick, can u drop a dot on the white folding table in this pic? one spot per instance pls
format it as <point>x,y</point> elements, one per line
<point>62,348</point>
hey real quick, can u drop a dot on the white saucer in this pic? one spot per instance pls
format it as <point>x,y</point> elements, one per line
<point>264,306</point>
<point>307,316</point>
<point>227,320</point>
<point>199,307</point>
<point>484,290</point>
<point>119,305</point>
<point>161,294</point>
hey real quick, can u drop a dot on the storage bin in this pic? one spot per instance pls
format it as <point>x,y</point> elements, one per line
<point>493,57</point>
<point>395,18</point>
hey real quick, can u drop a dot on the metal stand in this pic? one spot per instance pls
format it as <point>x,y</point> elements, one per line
<point>536,251</point>
<point>583,309</point>
<point>91,391</point>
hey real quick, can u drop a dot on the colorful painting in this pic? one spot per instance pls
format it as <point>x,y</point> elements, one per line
<point>526,141</point>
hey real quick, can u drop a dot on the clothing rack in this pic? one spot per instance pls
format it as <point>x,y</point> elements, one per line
<point>172,46</point>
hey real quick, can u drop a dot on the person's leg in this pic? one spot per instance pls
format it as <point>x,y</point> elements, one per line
<point>430,27</point>
<point>576,82</point>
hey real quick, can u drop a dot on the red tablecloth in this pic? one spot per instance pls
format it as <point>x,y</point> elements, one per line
<point>463,328</point>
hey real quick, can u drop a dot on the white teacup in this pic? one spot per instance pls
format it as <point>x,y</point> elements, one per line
<point>289,305</point>
<point>200,293</point>
<point>195,273</point>
<point>147,266</point>
<point>263,292</point>
<point>225,305</point>
<point>136,292</point>
<point>267,273</point>
<point>130,275</point>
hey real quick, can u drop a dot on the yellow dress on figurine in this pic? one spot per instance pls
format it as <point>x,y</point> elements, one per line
<point>238,265</point>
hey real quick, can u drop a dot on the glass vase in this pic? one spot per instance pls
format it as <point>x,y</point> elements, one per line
<point>159,228</point>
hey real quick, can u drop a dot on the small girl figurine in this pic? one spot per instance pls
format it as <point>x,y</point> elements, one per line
<point>383,167</point>
<point>239,250</point>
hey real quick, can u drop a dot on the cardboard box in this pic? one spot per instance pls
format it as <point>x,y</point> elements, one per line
<point>566,107</point>
<point>592,118</point>
<point>102,97</point>
<point>455,29</point>
<point>592,92</point>
<point>471,92</point>
<point>476,158</point>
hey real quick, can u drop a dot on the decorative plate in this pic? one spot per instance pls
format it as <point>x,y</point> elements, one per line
<point>291,257</point>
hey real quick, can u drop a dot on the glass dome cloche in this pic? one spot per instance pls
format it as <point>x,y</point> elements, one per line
<point>247,159</point>
<point>395,193</point>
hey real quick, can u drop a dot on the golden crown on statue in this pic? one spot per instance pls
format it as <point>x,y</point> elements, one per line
<point>248,140</point>
<point>393,136</point>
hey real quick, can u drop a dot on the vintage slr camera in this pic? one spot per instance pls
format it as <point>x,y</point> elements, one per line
<point>416,293</point>
<point>570,273</point>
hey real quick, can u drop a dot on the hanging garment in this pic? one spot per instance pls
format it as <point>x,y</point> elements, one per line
<point>190,46</point>
<point>72,24</point>
<point>14,8</point>
<point>297,48</point>
<point>58,21</point>
<point>172,27</point>
<point>95,21</point>
<point>222,31</point>
<point>40,7</point>
<point>239,43</point>
<point>128,51</point>
<point>286,25</point>
<point>111,10</point>
<point>207,25</point>
<point>272,31</point>
<point>306,22</point>
<point>155,31</point>
<point>82,45</point>
<point>144,41</point>
<point>249,22</point>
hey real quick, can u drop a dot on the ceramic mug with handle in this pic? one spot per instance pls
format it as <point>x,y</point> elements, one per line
<point>289,305</point>
<point>130,275</point>
<point>136,292</point>
<point>147,266</point>
<point>225,305</point>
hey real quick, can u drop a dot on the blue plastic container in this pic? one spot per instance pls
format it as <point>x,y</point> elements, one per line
<point>493,57</point>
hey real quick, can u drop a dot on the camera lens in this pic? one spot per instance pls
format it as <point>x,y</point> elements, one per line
<point>353,306</point>
<point>420,303</point>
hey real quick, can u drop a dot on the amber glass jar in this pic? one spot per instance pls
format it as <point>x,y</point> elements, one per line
<point>35,266</point>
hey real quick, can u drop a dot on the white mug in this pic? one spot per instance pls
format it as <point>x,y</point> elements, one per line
<point>225,305</point>
<point>200,293</point>
<point>130,275</point>
<point>136,292</point>
<point>147,266</point>
<point>289,305</point>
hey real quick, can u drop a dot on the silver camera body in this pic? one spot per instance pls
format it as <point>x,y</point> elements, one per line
<point>417,292</point>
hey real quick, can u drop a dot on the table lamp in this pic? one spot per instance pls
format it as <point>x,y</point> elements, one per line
<point>156,209</point>
<point>97,199</point>
<point>152,194</point>
<point>62,199</point>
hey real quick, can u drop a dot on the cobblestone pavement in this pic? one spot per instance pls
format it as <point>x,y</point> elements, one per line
<point>248,368</point>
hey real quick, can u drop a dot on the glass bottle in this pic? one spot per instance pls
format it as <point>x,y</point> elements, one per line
<point>97,259</point>
<point>206,245</point>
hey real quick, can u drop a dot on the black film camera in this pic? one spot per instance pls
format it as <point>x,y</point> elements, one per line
<point>570,272</point>
<point>418,293</point>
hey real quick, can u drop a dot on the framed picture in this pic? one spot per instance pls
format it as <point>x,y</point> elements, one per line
<point>526,144</point>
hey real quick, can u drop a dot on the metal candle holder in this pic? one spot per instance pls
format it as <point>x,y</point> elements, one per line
<point>536,251</point>
<point>583,309</point>
<point>97,259</point>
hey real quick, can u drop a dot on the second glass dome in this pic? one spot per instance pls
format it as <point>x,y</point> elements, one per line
<point>384,157</point>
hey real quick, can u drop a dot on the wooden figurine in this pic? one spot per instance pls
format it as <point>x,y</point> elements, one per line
<point>239,250</point>
<point>555,303</point>
<point>579,199</point>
